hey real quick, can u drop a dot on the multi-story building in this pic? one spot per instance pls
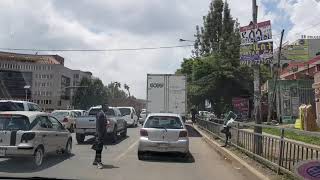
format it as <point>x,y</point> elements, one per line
<point>52,85</point>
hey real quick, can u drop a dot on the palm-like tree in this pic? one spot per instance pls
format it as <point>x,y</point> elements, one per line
<point>126,87</point>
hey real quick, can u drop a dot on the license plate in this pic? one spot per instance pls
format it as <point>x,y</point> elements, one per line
<point>2,152</point>
<point>163,145</point>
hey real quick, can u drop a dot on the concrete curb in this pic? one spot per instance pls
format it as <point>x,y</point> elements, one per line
<point>230,155</point>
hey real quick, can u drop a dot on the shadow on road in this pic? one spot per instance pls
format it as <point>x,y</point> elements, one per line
<point>107,141</point>
<point>106,166</point>
<point>168,158</point>
<point>24,165</point>
<point>192,132</point>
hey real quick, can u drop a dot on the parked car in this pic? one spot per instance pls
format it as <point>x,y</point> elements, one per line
<point>86,125</point>
<point>32,134</point>
<point>163,132</point>
<point>12,105</point>
<point>143,116</point>
<point>79,112</point>
<point>129,114</point>
<point>66,117</point>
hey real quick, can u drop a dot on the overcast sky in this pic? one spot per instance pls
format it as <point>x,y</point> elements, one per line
<point>106,24</point>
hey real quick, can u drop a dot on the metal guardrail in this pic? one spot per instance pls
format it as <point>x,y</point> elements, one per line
<point>277,152</point>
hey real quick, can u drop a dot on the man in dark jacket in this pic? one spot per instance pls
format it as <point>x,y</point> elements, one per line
<point>101,122</point>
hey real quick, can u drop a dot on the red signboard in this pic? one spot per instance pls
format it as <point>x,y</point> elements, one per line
<point>241,106</point>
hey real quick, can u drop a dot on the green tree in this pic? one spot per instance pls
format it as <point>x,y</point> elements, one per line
<point>93,93</point>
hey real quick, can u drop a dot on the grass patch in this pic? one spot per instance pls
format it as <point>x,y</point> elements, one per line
<point>294,136</point>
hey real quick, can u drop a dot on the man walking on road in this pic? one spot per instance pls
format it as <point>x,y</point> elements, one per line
<point>101,122</point>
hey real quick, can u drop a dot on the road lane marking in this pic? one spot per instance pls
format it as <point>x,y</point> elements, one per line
<point>118,158</point>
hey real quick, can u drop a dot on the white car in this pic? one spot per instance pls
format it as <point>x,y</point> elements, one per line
<point>163,132</point>
<point>66,117</point>
<point>32,134</point>
<point>12,105</point>
<point>129,115</point>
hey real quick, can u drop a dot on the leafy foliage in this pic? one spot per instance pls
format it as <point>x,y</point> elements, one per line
<point>93,94</point>
<point>214,72</point>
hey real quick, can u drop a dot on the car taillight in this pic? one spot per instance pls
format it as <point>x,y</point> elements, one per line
<point>27,136</point>
<point>143,132</point>
<point>65,120</point>
<point>183,134</point>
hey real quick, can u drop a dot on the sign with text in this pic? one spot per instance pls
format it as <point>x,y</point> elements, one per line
<point>241,107</point>
<point>261,32</point>
<point>297,51</point>
<point>261,52</point>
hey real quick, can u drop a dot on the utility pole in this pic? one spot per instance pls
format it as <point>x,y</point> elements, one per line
<point>275,80</point>
<point>256,85</point>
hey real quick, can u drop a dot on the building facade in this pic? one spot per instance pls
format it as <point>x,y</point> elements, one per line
<point>52,85</point>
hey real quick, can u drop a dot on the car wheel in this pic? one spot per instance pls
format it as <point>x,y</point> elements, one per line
<point>38,157</point>
<point>114,135</point>
<point>141,155</point>
<point>68,148</point>
<point>124,133</point>
<point>80,138</point>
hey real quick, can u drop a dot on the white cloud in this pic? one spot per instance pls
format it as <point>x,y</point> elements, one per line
<point>106,24</point>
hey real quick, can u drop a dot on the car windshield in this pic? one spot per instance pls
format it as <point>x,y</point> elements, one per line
<point>60,113</point>
<point>166,122</point>
<point>14,122</point>
<point>169,71</point>
<point>11,106</point>
<point>125,111</point>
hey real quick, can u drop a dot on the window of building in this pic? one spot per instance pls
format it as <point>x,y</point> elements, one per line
<point>51,76</point>
<point>50,102</point>
<point>59,103</point>
<point>43,84</point>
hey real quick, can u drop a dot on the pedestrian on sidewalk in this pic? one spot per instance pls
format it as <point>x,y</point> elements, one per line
<point>226,131</point>
<point>101,122</point>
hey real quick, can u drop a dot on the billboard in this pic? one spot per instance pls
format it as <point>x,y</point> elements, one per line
<point>297,51</point>
<point>262,52</point>
<point>262,32</point>
<point>241,107</point>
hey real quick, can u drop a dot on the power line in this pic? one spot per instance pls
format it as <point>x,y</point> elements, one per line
<point>95,50</point>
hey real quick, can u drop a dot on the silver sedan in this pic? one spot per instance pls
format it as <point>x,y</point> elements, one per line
<point>163,132</point>
<point>32,134</point>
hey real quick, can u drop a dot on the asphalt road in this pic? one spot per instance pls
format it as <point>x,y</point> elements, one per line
<point>121,163</point>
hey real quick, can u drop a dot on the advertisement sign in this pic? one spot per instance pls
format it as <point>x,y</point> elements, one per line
<point>241,107</point>
<point>297,51</point>
<point>262,32</point>
<point>262,52</point>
